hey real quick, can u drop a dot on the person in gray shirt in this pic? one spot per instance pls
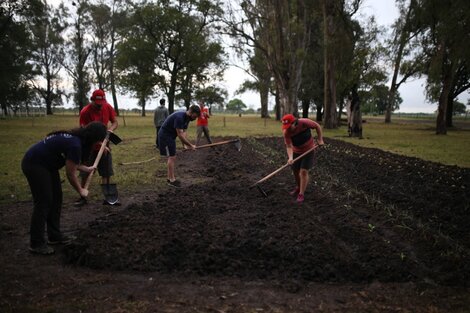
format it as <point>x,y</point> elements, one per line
<point>161,113</point>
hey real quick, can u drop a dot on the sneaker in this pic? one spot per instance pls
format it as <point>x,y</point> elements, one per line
<point>175,183</point>
<point>300,198</point>
<point>65,240</point>
<point>43,250</point>
<point>80,202</point>
<point>295,192</point>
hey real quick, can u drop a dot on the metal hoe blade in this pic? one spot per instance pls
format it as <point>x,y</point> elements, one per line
<point>262,191</point>
<point>238,145</point>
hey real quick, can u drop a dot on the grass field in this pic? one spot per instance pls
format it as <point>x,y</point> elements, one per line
<point>407,137</point>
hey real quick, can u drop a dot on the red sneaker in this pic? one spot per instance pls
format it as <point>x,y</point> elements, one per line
<point>295,192</point>
<point>300,198</point>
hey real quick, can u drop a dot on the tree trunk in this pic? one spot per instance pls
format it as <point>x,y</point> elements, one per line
<point>172,89</point>
<point>4,109</point>
<point>329,87</point>
<point>390,101</point>
<point>396,68</point>
<point>48,95</point>
<point>450,110</point>
<point>319,113</point>
<point>278,106</point>
<point>264,96</point>
<point>143,103</point>
<point>305,107</point>
<point>441,125</point>
<point>356,115</point>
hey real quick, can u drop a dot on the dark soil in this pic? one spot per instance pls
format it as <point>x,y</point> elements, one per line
<point>378,232</point>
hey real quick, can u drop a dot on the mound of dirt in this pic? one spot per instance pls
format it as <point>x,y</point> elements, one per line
<point>368,216</point>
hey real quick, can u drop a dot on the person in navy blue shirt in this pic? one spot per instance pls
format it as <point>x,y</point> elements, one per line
<point>41,164</point>
<point>175,126</point>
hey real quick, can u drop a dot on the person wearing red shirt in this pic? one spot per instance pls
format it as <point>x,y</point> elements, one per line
<point>202,123</point>
<point>99,110</point>
<point>298,139</point>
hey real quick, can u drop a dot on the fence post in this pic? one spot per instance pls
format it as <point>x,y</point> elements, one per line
<point>224,121</point>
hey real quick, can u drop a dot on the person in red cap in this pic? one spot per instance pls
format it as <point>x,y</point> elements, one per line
<point>298,139</point>
<point>99,110</point>
<point>202,123</point>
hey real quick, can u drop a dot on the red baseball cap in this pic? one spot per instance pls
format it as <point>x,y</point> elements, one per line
<point>287,120</point>
<point>99,97</point>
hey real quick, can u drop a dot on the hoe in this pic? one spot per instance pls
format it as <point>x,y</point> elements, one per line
<point>236,143</point>
<point>257,184</point>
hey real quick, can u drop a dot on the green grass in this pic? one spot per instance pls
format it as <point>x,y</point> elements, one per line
<point>414,139</point>
<point>410,138</point>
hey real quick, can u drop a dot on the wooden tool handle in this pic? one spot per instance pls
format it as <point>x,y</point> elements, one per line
<point>284,166</point>
<point>97,160</point>
<point>217,143</point>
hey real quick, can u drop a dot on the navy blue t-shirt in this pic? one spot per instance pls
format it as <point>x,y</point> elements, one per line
<point>54,150</point>
<point>176,120</point>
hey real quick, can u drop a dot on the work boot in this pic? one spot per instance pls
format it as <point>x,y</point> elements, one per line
<point>300,198</point>
<point>295,192</point>
<point>43,250</point>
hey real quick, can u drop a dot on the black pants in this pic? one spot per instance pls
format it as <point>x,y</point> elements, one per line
<point>47,197</point>
<point>156,140</point>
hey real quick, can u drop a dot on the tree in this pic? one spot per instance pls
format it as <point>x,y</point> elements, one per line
<point>136,63</point>
<point>446,44</point>
<point>78,49</point>
<point>279,29</point>
<point>185,49</point>
<point>236,105</point>
<point>47,28</point>
<point>15,52</point>
<point>377,100</point>
<point>459,108</point>
<point>403,45</point>
<point>262,80</point>
<point>345,56</point>
<point>107,18</point>
<point>212,95</point>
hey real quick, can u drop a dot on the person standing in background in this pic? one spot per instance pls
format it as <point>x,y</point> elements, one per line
<point>159,116</point>
<point>203,123</point>
<point>99,110</point>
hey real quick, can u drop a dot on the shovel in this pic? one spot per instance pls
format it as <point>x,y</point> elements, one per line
<point>236,142</point>
<point>110,136</point>
<point>110,194</point>
<point>278,170</point>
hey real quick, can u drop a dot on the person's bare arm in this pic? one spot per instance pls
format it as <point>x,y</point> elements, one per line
<point>290,154</point>
<point>113,126</point>
<point>71,171</point>
<point>182,136</point>
<point>319,134</point>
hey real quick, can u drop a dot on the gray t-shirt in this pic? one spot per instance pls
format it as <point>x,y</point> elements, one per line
<point>161,113</point>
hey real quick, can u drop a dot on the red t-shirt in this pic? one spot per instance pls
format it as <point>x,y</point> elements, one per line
<point>202,119</point>
<point>92,114</point>
<point>301,137</point>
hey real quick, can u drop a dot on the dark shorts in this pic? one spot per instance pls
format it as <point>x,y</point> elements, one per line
<point>166,144</point>
<point>304,163</point>
<point>105,165</point>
